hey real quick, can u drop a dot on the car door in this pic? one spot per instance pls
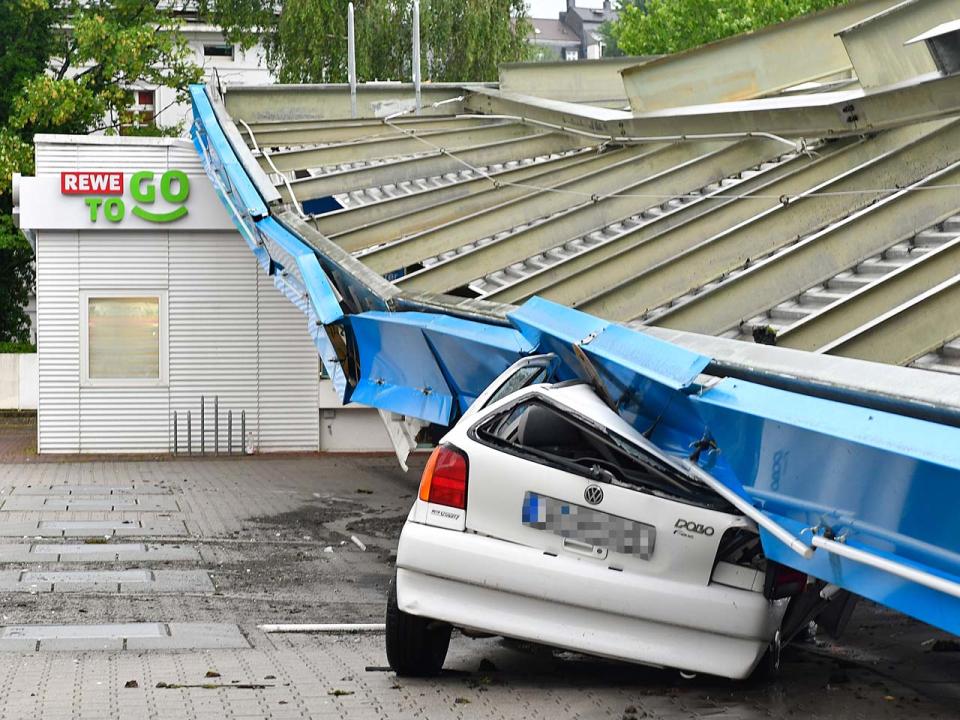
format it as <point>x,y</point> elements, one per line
<point>525,489</point>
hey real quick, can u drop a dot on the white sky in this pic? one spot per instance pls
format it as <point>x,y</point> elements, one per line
<point>552,8</point>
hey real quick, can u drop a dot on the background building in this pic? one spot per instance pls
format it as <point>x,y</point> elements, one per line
<point>138,321</point>
<point>574,35</point>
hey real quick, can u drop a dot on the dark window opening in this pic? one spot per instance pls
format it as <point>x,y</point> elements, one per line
<point>541,433</point>
<point>218,51</point>
<point>319,206</point>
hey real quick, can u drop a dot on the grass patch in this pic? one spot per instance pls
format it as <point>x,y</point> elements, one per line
<point>16,347</point>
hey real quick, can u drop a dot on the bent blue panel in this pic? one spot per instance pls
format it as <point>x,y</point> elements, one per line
<point>228,177</point>
<point>645,377</point>
<point>890,483</point>
<point>662,362</point>
<point>923,603</point>
<point>322,296</point>
<point>317,331</point>
<point>251,202</point>
<point>397,369</point>
<point>427,365</point>
<point>471,354</point>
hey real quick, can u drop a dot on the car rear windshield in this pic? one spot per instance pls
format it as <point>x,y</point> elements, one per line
<point>540,432</point>
<point>528,375</point>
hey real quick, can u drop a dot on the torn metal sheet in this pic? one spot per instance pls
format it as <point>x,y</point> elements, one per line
<point>323,297</point>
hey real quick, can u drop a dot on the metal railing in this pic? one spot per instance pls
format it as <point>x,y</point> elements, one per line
<point>242,448</point>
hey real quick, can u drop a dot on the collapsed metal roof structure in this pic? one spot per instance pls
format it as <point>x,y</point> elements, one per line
<point>805,203</point>
<point>500,194</point>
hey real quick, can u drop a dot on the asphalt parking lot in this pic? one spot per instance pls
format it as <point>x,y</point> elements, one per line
<point>135,588</point>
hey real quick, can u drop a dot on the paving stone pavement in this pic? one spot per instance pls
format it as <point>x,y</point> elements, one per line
<point>134,589</point>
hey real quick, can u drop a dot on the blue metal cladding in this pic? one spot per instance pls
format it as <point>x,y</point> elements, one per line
<point>234,188</point>
<point>429,366</point>
<point>252,219</point>
<point>880,482</point>
<point>648,379</point>
<point>885,483</point>
<point>323,297</point>
<point>548,324</point>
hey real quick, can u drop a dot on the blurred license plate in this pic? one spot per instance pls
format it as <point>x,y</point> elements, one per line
<point>588,525</point>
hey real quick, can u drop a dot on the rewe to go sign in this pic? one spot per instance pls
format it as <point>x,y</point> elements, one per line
<point>106,197</point>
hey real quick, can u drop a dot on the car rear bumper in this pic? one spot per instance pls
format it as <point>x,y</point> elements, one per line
<point>503,588</point>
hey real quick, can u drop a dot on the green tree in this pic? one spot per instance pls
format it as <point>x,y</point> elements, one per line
<point>668,26</point>
<point>67,67</point>
<point>306,41</point>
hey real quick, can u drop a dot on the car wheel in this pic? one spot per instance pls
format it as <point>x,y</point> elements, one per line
<point>416,646</point>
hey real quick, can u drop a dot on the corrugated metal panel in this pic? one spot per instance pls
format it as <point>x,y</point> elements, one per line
<point>288,373</point>
<point>130,154</point>
<point>213,334</point>
<point>123,419</point>
<point>232,335</point>
<point>58,342</point>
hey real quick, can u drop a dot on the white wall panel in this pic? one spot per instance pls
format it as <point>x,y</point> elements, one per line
<point>58,342</point>
<point>123,419</point>
<point>288,373</point>
<point>213,333</point>
<point>56,153</point>
<point>230,333</point>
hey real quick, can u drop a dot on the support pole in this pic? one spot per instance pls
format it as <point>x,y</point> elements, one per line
<point>351,61</point>
<point>243,432</point>
<point>175,447</point>
<point>203,436</point>
<point>216,424</point>
<point>189,434</point>
<point>416,52</point>
<point>229,432</point>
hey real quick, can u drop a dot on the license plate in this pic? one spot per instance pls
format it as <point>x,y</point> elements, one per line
<point>588,525</point>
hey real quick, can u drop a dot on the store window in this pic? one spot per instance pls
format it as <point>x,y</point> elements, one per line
<point>124,338</point>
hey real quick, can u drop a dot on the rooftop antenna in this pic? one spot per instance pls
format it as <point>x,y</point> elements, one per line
<point>351,61</point>
<point>416,52</point>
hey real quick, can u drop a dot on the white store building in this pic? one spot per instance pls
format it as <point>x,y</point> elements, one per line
<point>148,300</point>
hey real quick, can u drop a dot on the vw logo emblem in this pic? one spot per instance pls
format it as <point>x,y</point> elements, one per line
<point>593,494</point>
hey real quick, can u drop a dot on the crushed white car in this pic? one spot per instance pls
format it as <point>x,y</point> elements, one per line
<point>544,516</point>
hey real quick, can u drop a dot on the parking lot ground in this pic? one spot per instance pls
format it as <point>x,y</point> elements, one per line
<point>135,588</point>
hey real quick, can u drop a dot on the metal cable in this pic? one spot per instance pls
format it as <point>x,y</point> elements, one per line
<point>293,197</point>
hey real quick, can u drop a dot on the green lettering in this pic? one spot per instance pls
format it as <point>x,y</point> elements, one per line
<point>159,217</point>
<point>113,209</point>
<point>183,186</point>
<point>94,204</point>
<point>140,193</point>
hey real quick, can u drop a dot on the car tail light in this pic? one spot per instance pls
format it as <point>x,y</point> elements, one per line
<point>444,479</point>
<point>782,581</point>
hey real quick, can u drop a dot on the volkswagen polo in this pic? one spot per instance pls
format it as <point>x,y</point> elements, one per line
<point>544,516</point>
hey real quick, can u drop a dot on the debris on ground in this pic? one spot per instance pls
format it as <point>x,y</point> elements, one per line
<point>939,645</point>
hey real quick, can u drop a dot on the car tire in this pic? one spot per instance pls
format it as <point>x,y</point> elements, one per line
<point>416,646</point>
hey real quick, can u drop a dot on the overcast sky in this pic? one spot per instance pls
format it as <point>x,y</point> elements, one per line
<point>552,8</point>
